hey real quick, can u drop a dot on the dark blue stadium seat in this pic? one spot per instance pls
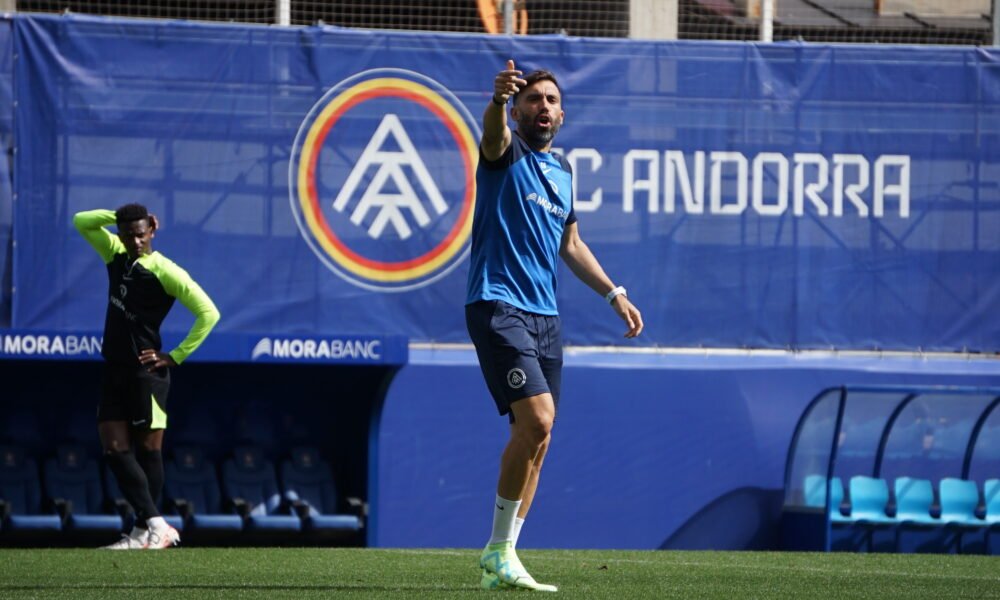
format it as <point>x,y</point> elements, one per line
<point>253,424</point>
<point>21,514</point>
<point>250,487</point>
<point>198,428</point>
<point>308,486</point>
<point>20,428</point>
<point>192,491</point>
<point>73,485</point>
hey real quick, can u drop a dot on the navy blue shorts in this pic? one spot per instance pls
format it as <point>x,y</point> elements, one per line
<point>519,352</point>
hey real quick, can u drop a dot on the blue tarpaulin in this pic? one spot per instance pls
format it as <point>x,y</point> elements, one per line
<point>319,179</point>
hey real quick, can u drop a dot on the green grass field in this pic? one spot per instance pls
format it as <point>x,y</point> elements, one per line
<point>364,573</point>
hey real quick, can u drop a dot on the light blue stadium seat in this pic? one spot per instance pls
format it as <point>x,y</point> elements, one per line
<point>869,500</point>
<point>959,500</point>
<point>914,499</point>
<point>919,530</point>
<point>991,498</point>
<point>814,492</point>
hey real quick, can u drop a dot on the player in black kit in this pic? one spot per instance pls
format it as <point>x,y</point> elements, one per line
<point>132,417</point>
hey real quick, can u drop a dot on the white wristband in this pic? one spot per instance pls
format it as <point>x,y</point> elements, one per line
<point>618,291</point>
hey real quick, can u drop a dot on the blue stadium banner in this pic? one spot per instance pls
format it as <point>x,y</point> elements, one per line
<point>319,180</point>
<point>385,350</point>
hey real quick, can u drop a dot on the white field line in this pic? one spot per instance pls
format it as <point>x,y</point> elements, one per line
<point>571,350</point>
<point>851,570</point>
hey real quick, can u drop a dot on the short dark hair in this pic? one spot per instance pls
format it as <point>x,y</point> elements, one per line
<point>536,76</point>
<point>130,213</point>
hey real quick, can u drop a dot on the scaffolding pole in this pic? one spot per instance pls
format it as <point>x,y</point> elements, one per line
<point>767,20</point>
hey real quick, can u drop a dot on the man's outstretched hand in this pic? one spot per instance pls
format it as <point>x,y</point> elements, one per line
<point>507,83</point>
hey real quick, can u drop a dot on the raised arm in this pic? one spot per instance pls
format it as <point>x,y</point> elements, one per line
<point>91,225</point>
<point>496,133</point>
<point>584,265</point>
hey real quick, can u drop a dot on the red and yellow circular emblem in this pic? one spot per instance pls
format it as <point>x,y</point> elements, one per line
<point>361,231</point>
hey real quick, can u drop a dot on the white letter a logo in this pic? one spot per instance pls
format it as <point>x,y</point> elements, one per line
<point>390,166</point>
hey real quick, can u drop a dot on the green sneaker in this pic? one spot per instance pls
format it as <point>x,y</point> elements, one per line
<point>500,561</point>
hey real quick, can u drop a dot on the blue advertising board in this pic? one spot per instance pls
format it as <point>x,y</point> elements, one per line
<point>369,350</point>
<point>322,180</point>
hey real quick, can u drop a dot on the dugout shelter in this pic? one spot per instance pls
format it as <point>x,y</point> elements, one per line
<point>894,468</point>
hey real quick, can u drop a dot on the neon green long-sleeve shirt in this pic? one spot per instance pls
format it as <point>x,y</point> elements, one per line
<point>140,294</point>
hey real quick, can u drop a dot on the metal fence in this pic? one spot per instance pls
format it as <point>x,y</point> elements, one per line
<point>962,22</point>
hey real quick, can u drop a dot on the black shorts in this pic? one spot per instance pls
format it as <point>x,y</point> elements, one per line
<point>519,352</point>
<point>134,395</point>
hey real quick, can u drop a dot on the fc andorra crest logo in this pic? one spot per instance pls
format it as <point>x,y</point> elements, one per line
<point>382,179</point>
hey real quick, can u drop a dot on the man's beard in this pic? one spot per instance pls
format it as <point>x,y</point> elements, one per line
<point>535,136</point>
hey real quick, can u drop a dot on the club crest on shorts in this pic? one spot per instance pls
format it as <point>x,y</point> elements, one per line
<point>516,378</point>
<point>382,179</point>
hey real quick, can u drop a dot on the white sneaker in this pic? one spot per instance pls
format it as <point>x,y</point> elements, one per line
<point>502,568</point>
<point>163,537</point>
<point>135,540</point>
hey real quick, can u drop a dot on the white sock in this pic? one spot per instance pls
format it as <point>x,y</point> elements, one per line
<point>504,514</point>
<point>156,523</point>
<point>518,523</point>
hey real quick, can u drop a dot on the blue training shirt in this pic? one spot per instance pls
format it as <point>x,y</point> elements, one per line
<point>524,200</point>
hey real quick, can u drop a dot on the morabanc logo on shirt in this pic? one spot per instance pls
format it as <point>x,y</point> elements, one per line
<point>382,179</point>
